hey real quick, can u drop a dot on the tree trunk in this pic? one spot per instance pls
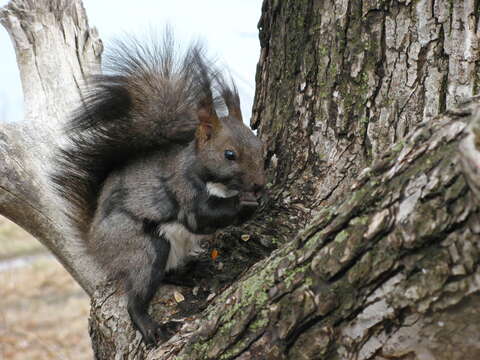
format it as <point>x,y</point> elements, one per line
<point>379,245</point>
<point>339,81</point>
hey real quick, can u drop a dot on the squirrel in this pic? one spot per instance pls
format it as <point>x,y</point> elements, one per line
<point>149,168</point>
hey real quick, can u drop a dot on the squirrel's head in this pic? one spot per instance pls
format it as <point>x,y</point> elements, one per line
<point>229,152</point>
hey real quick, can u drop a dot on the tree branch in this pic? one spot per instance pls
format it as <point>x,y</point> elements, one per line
<point>55,51</point>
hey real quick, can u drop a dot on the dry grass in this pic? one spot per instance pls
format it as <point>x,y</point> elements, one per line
<point>43,312</point>
<point>16,242</point>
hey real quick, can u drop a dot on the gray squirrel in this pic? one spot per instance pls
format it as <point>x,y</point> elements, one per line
<point>149,168</point>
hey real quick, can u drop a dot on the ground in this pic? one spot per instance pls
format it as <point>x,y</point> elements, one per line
<point>43,312</point>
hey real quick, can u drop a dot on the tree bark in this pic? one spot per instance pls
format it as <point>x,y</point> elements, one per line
<point>339,81</point>
<point>55,51</point>
<point>379,245</point>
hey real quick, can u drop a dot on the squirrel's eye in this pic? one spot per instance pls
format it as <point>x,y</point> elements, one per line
<point>230,155</point>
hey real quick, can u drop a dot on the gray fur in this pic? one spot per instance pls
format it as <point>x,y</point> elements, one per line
<point>147,172</point>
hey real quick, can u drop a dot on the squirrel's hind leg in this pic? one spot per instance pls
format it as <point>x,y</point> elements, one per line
<point>135,256</point>
<point>142,282</point>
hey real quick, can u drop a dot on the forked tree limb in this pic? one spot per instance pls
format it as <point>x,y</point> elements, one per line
<point>56,51</point>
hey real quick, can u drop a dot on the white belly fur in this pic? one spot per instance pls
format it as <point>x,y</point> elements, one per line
<point>182,243</point>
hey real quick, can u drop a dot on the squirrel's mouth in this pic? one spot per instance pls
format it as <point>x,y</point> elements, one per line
<point>248,198</point>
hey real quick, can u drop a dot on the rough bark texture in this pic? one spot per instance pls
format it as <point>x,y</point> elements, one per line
<point>339,81</point>
<point>376,263</point>
<point>55,51</point>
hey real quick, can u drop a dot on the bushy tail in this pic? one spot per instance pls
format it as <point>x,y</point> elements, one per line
<point>146,99</point>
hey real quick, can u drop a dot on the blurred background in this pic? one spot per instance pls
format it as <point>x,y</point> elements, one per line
<point>43,312</point>
<point>229,29</point>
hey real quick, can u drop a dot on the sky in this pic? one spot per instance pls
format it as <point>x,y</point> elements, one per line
<point>228,28</point>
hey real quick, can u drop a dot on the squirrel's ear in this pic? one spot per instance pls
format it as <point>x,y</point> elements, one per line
<point>209,123</point>
<point>232,101</point>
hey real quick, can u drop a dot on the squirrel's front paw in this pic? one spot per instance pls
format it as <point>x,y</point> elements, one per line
<point>246,210</point>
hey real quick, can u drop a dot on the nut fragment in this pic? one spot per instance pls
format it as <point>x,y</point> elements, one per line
<point>245,237</point>
<point>178,296</point>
